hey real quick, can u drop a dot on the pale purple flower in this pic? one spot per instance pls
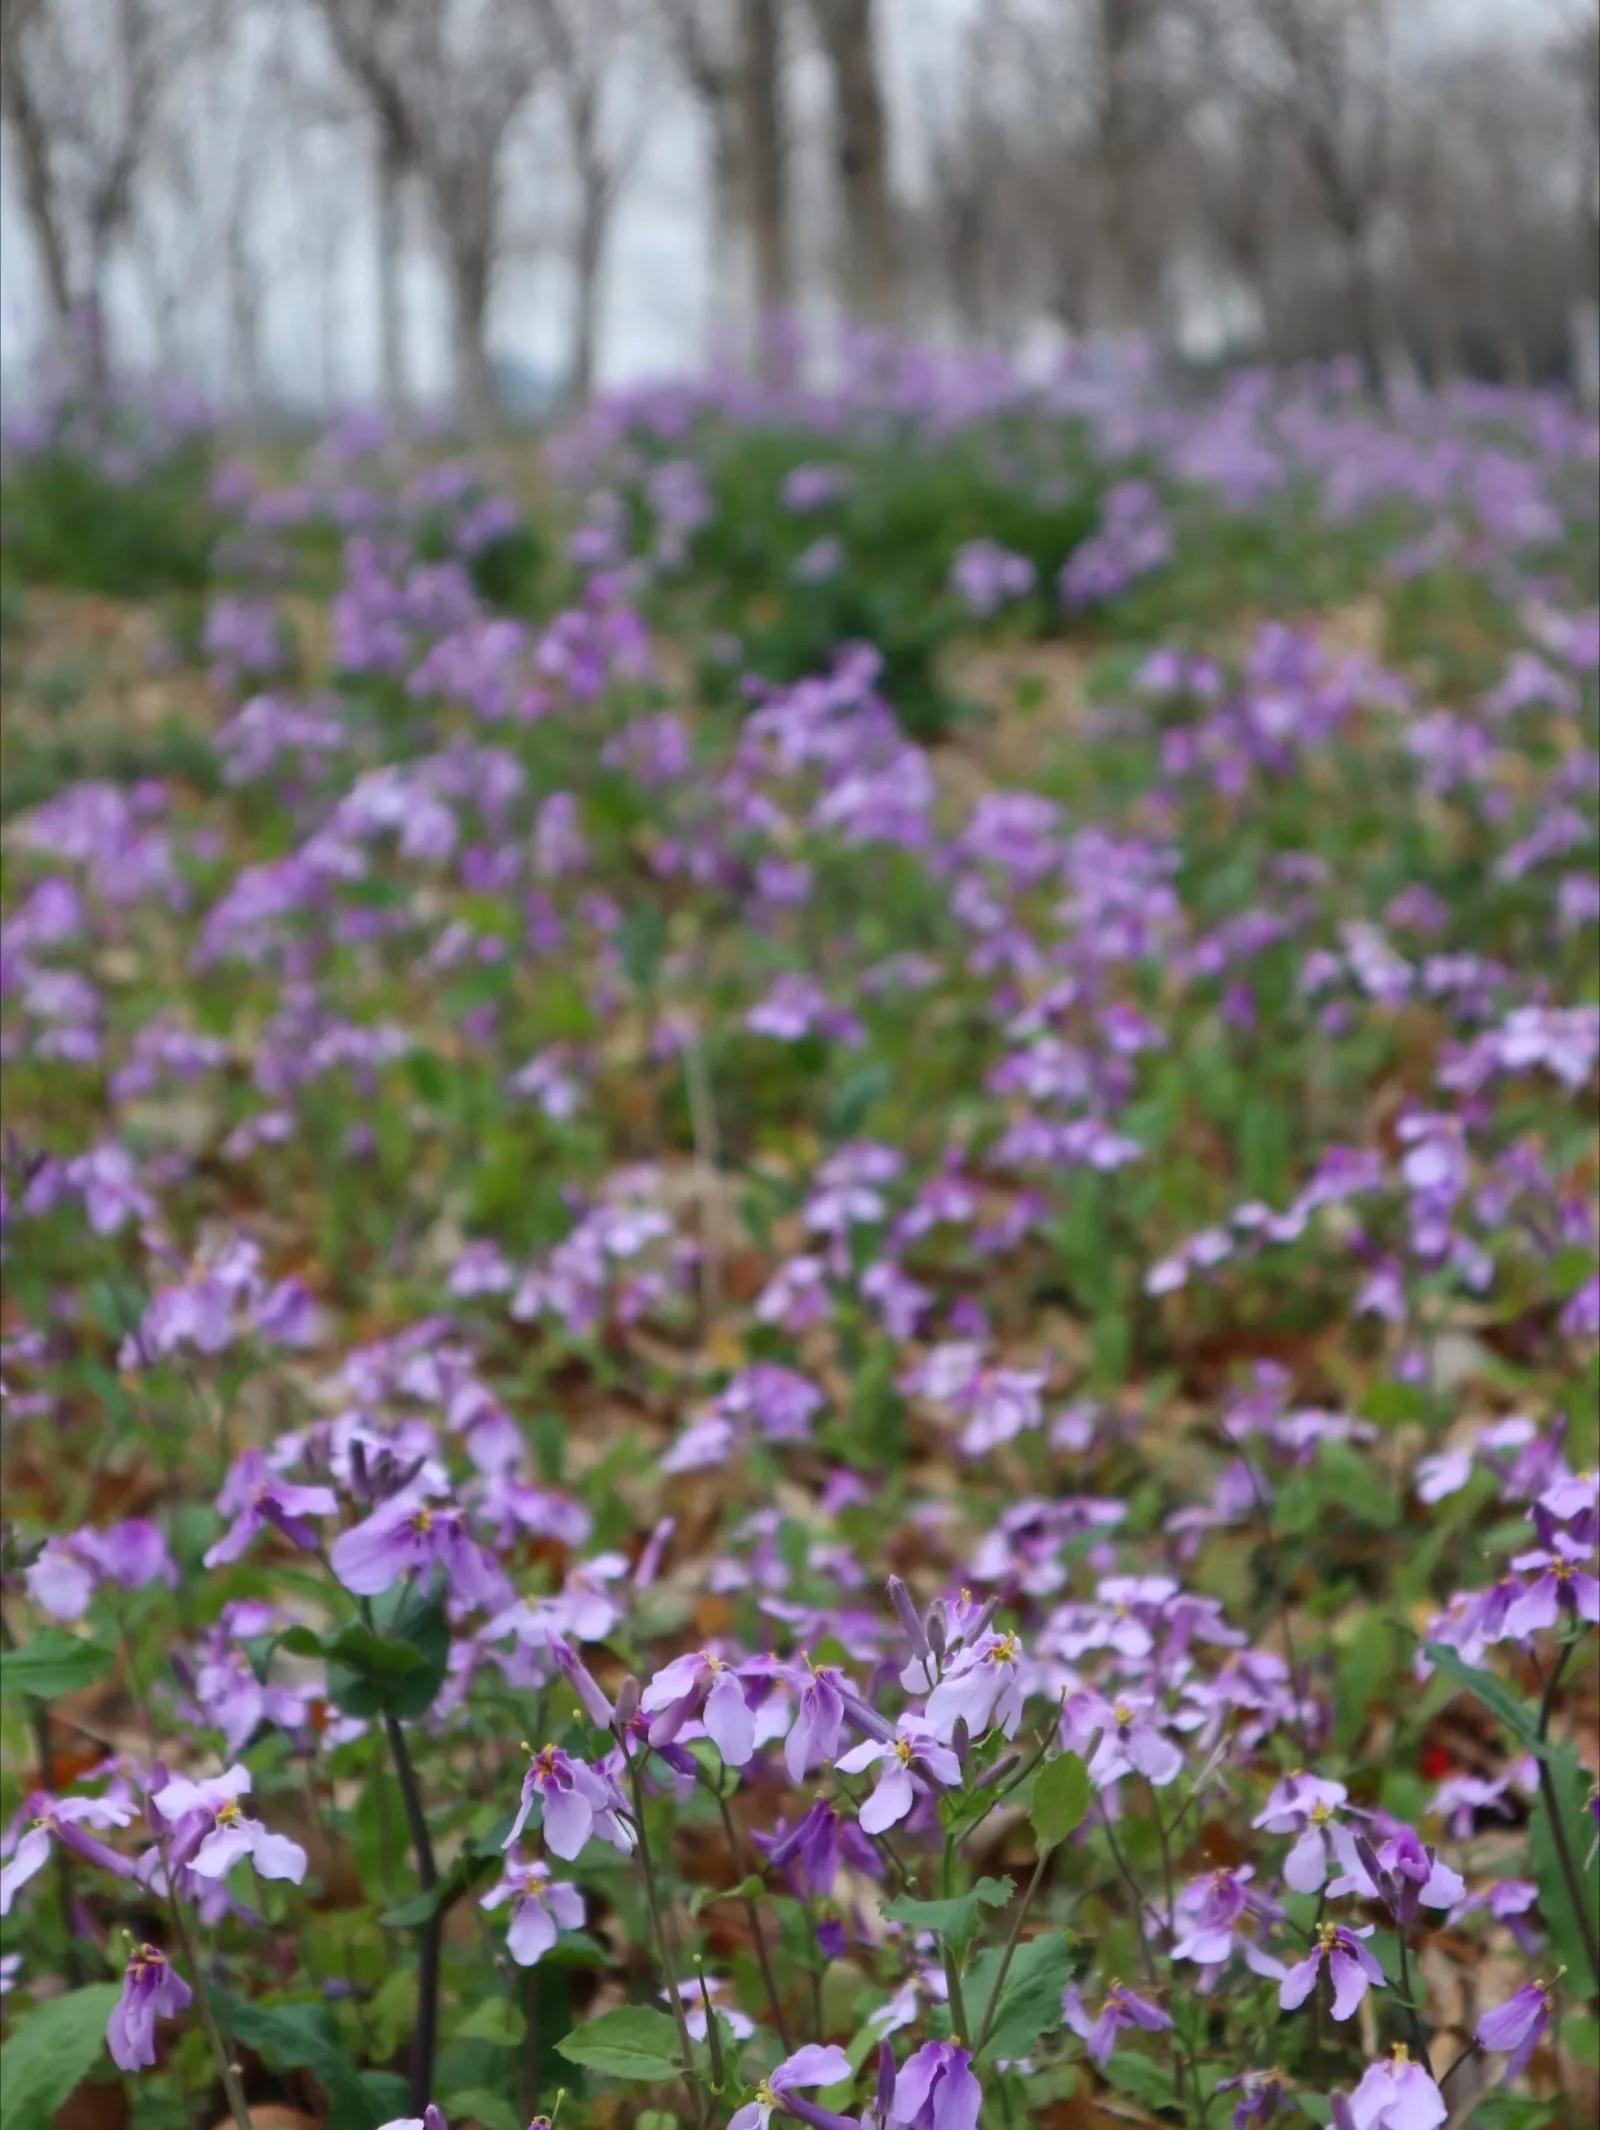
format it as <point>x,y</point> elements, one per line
<point>807,2068</point>
<point>67,1571</point>
<point>982,1685</point>
<point>701,1685</point>
<point>255,1497</point>
<point>542,1907</point>
<point>407,1536</point>
<point>1351,1968</point>
<point>937,2089</point>
<point>1397,2094</point>
<point>432,2118</point>
<point>1123,2008</point>
<point>211,1834</point>
<point>66,1820</point>
<point>1304,1805</point>
<point>738,2023</point>
<point>151,1990</point>
<point>913,1746</point>
<point>577,1802</point>
<point>1516,2028</point>
<point>1130,1740</point>
<point>1403,1872</point>
<point>814,1734</point>
<point>1558,1586</point>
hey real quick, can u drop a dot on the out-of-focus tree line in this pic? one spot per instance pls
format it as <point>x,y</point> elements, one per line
<point>1270,179</point>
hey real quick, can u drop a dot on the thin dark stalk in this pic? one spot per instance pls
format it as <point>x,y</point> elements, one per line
<point>663,1947</point>
<point>1451,2069</point>
<point>1419,2040</point>
<point>763,1958</point>
<point>1279,1592</point>
<point>1572,1878</point>
<point>238,2108</point>
<point>1132,1885</point>
<point>1017,1921</point>
<point>430,1937</point>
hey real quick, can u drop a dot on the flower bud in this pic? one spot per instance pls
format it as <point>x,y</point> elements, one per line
<point>900,1599</point>
<point>1001,1768</point>
<point>626,1705</point>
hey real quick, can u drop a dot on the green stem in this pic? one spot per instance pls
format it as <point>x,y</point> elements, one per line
<point>231,2086</point>
<point>1572,1878</point>
<point>763,1959</point>
<point>986,2023</point>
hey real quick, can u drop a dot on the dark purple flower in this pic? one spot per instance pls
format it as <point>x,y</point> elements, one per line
<point>255,1497</point>
<point>1123,2008</point>
<point>937,2089</point>
<point>151,1990</point>
<point>576,1802</point>
<point>1350,1966</point>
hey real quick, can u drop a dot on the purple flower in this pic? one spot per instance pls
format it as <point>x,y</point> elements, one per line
<point>151,1990</point>
<point>576,1802</point>
<point>1349,1964</point>
<point>542,1907</point>
<point>256,1497</point>
<point>1396,2094</point>
<point>809,2067</point>
<point>814,1734</point>
<point>1560,1586</point>
<point>913,1745</point>
<point>431,2118</point>
<point>406,1537</point>
<point>63,1819</point>
<point>1403,1873</point>
<point>982,1685</point>
<point>1129,1739</point>
<point>1304,1804</point>
<point>1123,2008</point>
<point>67,1571</point>
<point>584,1684</point>
<point>809,1850</point>
<point>1516,2027</point>
<point>701,1684</point>
<point>937,2089</point>
<point>211,1834</point>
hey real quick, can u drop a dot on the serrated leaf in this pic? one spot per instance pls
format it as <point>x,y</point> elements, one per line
<point>1060,1799</point>
<point>1030,2000</point>
<point>54,2048</point>
<point>630,2042</point>
<point>1516,1716</point>
<point>53,1663</point>
<point>955,1920</point>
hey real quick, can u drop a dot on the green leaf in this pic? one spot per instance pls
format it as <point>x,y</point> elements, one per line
<point>954,1920</point>
<point>630,2042</point>
<point>1030,2002</point>
<point>371,1655</point>
<point>495,2020</point>
<point>1569,1781</point>
<point>397,1669</point>
<point>55,2047</point>
<point>477,2105</point>
<point>1141,2076</point>
<point>1060,1799</point>
<point>55,1662</point>
<point>1517,1717</point>
<point>300,2037</point>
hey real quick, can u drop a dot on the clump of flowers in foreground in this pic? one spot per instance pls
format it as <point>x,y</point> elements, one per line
<point>711,1417</point>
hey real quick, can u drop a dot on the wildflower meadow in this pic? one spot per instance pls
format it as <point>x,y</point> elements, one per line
<point>801,1297</point>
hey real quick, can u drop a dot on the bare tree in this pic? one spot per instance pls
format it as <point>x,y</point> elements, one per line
<point>870,258</point>
<point>445,81</point>
<point>766,136</point>
<point>703,38</point>
<point>593,46</point>
<point>79,83</point>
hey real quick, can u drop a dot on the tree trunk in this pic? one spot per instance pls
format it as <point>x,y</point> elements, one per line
<point>768,151</point>
<point>469,299</point>
<point>39,197</point>
<point>861,159</point>
<point>390,172</point>
<point>728,267</point>
<point>587,265</point>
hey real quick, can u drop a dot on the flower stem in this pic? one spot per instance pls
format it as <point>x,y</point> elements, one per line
<point>1017,1921</point>
<point>237,2105</point>
<point>659,1931</point>
<point>769,1980</point>
<point>430,1937</point>
<point>1572,1878</point>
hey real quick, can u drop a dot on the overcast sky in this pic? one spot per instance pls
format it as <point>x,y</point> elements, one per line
<point>316,232</point>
